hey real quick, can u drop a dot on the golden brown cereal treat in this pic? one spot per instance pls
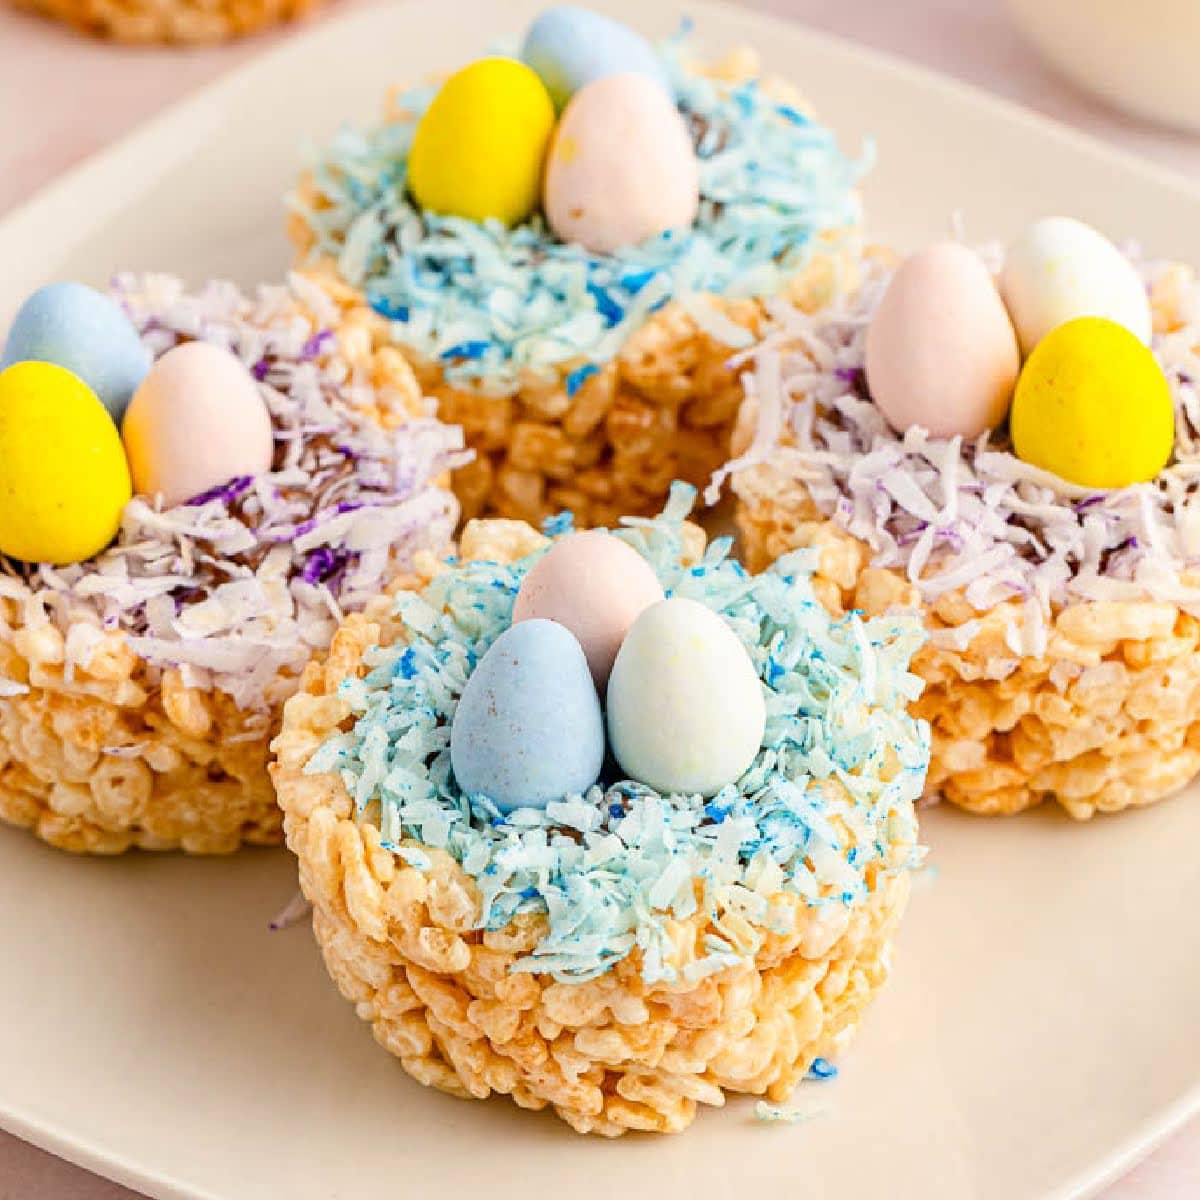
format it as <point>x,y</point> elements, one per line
<point>114,758</point>
<point>139,690</point>
<point>1107,718</point>
<point>459,997</point>
<point>601,434</point>
<point>195,21</point>
<point>662,410</point>
<point>1096,703</point>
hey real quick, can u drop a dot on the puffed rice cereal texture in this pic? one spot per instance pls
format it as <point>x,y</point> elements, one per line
<point>1107,718</point>
<point>663,409</point>
<point>607,1056</point>
<point>182,21</point>
<point>121,754</point>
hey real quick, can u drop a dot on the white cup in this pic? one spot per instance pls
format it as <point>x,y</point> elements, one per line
<point>1141,55</point>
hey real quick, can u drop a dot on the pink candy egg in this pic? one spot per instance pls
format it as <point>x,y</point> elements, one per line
<point>196,422</point>
<point>595,585</point>
<point>621,167</point>
<point>941,350</point>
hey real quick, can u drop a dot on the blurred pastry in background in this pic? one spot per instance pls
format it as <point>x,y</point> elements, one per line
<point>183,21</point>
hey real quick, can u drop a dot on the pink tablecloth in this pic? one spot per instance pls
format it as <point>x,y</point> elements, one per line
<point>62,97</point>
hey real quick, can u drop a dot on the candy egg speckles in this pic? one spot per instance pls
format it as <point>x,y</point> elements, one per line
<point>594,584</point>
<point>196,422</point>
<point>81,329</point>
<point>570,47</point>
<point>621,167</point>
<point>478,150</point>
<point>63,476</point>
<point>1093,406</point>
<point>685,707</point>
<point>941,351</point>
<point>528,727</point>
<point>1059,269</point>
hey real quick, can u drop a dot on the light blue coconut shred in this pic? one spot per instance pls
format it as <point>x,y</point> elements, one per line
<point>612,868</point>
<point>489,302</point>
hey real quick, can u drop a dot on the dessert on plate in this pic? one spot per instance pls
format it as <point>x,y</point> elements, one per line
<point>162,587</point>
<point>568,244</point>
<point>191,21</point>
<point>1011,446</point>
<point>601,822</point>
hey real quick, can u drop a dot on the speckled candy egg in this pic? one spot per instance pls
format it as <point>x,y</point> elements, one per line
<point>621,166</point>
<point>685,706</point>
<point>63,475</point>
<point>196,422</point>
<point>1059,269</point>
<point>569,47</point>
<point>594,584</point>
<point>83,330</point>
<point>479,148</point>
<point>1093,406</point>
<point>941,351</point>
<point>528,727</point>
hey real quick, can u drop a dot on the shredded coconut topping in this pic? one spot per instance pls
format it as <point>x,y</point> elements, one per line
<point>612,868</point>
<point>238,586</point>
<point>971,517</point>
<point>488,302</point>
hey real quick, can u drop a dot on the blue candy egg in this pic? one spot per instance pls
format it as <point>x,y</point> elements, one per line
<point>569,47</point>
<point>528,727</point>
<point>79,328</point>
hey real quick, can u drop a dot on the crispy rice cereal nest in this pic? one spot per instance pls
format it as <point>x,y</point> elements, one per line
<point>662,409</point>
<point>195,21</point>
<point>545,1002</point>
<point>112,732</point>
<point>1076,678</point>
<point>601,439</point>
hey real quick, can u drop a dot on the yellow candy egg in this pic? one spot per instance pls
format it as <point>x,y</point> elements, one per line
<point>478,150</point>
<point>1093,406</point>
<point>63,475</point>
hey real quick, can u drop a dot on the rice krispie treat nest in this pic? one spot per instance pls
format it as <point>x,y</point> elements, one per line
<point>1064,623</point>
<point>139,689</point>
<point>623,955</point>
<point>584,381</point>
<point>195,21</point>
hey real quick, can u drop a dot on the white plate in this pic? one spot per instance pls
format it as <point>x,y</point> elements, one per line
<point>1040,1029</point>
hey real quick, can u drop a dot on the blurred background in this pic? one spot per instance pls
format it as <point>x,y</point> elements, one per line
<point>1120,71</point>
<point>1138,55</point>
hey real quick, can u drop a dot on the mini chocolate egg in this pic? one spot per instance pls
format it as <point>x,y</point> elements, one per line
<point>685,706</point>
<point>63,477</point>
<point>83,330</point>
<point>941,351</point>
<point>569,47</point>
<point>594,584</point>
<point>1093,406</point>
<point>1059,269</point>
<point>196,422</point>
<point>479,148</point>
<point>528,727</point>
<point>621,166</point>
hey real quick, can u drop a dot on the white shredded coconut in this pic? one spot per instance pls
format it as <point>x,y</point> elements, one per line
<point>788,1114</point>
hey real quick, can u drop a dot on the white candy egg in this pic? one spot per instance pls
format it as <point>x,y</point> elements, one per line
<point>685,706</point>
<point>1060,269</point>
